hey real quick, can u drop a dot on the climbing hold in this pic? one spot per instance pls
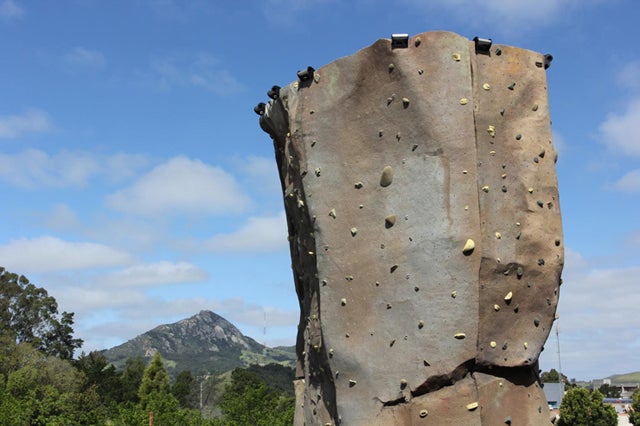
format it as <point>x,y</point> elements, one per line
<point>486,86</point>
<point>526,345</point>
<point>349,278</point>
<point>420,324</point>
<point>454,293</point>
<point>519,272</point>
<point>389,221</point>
<point>505,345</point>
<point>541,153</point>
<point>459,336</point>
<point>540,203</point>
<point>358,185</point>
<point>512,85</point>
<point>492,153</point>
<point>424,413</point>
<point>426,363</point>
<point>498,51</point>
<point>352,383</point>
<point>403,383</point>
<point>415,146</point>
<point>534,107</point>
<point>354,231</point>
<point>492,131</point>
<point>464,101</point>
<point>317,171</point>
<point>508,297</point>
<point>393,268</point>
<point>536,322</point>
<point>417,41</point>
<point>530,190</point>
<point>391,67</point>
<point>332,213</point>
<point>498,235</point>
<point>420,71</point>
<point>456,57</point>
<point>496,308</point>
<point>518,136</point>
<point>468,247</point>
<point>405,102</point>
<point>485,188</point>
<point>391,343</point>
<point>387,176</point>
<point>493,344</point>
<point>343,302</point>
<point>472,406</point>
<point>504,188</point>
<point>540,262</point>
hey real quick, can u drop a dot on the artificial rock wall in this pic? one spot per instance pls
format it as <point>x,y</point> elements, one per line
<point>424,224</point>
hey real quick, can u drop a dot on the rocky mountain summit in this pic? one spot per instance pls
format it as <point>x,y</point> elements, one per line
<point>203,343</point>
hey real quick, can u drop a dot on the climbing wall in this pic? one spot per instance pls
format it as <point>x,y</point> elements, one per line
<point>424,224</point>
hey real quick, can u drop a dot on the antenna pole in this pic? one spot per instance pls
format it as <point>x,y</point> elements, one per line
<point>559,363</point>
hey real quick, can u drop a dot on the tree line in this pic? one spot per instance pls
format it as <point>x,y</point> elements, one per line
<point>41,383</point>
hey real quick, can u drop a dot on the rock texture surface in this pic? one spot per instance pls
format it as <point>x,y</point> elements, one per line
<point>425,233</point>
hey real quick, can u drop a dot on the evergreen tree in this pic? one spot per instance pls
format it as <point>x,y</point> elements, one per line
<point>183,389</point>
<point>154,380</point>
<point>131,379</point>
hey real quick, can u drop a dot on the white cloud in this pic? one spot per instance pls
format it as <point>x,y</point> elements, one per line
<point>630,182</point>
<point>10,10</point>
<point>155,274</point>
<point>621,132</point>
<point>85,58</point>
<point>53,254</point>
<point>32,121</point>
<point>629,75</point>
<point>597,317</point>
<point>34,168</point>
<point>181,185</point>
<point>200,71</point>
<point>61,217</point>
<point>262,234</point>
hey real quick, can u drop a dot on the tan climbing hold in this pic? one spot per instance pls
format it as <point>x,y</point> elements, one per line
<point>530,190</point>
<point>472,406</point>
<point>387,176</point>
<point>508,297</point>
<point>464,101</point>
<point>456,57</point>
<point>496,308</point>
<point>485,188</point>
<point>468,247</point>
<point>389,221</point>
<point>493,344</point>
<point>332,213</point>
<point>526,345</point>
<point>424,413</point>
<point>354,231</point>
<point>454,294</point>
<point>459,336</point>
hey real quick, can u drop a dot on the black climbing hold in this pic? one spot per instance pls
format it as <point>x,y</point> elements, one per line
<point>399,41</point>
<point>547,60</point>
<point>306,74</point>
<point>482,44</point>
<point>274,93</point>
<point>259,109</point>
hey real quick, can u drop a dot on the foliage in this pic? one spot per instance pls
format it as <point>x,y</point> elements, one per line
<point>154,380</point>
<point>30,315</point>
<point>581,408</point>
<point>553,376</point>
<point>610,391</point>
<point>249,401</point>
<point>131,379</point>
<point>183,389</point>
<point>279,377</point>
<point>634,415</point>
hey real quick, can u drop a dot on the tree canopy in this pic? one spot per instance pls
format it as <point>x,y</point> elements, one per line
<point>579,407</point>
<point>634,415</point>
<point>29,315</point>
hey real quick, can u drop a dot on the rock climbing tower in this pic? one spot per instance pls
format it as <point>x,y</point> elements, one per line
<point>419,184</point>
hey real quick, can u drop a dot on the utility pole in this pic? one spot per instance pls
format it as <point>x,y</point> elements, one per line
<point>559,363</point>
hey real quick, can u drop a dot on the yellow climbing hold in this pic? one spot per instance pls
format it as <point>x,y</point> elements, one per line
<point>486,86</point>
<point>496,308</point>
<point>468,247</point>
<point>472,406</point>
<point>498,235</point>
<point>456,57</point>
<point>459,336</point>
<point>508,297</point>
<point>491,130</point>
<point>464,101</point>
<point>493,344</point>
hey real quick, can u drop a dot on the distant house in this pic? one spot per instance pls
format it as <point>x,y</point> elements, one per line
<point>554,393</point>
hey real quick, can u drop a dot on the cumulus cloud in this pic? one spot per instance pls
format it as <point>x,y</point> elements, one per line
<point>181,185</point>
<point>597,316</point>
<point>268,233</point>
<point>621,132</point>
<point>201,71</point>
<point>505,15</point>
<point>630,182</point>
<point>48,253</point>
<point>81,57</point>
<point>32,121</point>
<point>10,10</point>
<point>155,274</point>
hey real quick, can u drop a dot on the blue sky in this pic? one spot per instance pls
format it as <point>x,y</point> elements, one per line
<point>139,189</point>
